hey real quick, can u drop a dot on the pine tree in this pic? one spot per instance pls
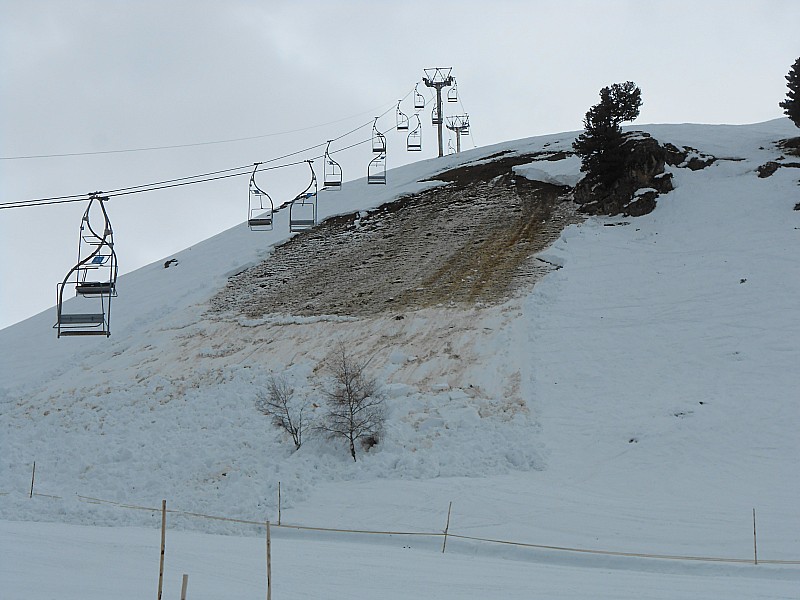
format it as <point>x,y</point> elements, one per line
<point>600,146</point>
<point>791,106</point>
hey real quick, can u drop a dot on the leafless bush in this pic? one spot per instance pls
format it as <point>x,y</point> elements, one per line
<point>287,413</point>
<point>355,403</point>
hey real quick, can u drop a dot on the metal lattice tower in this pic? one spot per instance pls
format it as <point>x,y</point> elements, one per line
<point>459,124</point>
<point>438,78</point>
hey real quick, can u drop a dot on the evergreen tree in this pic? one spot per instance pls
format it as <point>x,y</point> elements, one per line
<point>791,106</point>
<point>600,146</point>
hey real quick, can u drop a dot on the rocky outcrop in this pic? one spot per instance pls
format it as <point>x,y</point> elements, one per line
<point>635,192</point>
<point>790,146</point>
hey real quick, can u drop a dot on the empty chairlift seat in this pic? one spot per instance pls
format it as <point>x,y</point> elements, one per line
<point>94,277</point>
<point>452,93</point>
<point>378,139</point>
<point>303,209</point>
<point>419,99</point>
<point>332,171</point>
<point>414,139</point>
<point>376,170</point>
<point>401,118</point>
<point>259,206</point>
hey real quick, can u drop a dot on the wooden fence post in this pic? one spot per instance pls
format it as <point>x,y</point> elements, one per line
<point>447,526</point>
<point>184,585</point>
<point>755,546</point>
<point>269,565</point>
<point>33,476</point>
<point>163,539</point>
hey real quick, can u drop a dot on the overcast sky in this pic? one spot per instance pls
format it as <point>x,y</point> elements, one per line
<point>84,76</point>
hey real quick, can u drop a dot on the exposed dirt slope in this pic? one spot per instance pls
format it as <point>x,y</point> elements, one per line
<point>469,242</point>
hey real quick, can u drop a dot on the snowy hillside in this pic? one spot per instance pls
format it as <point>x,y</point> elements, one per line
<point>639,398</point>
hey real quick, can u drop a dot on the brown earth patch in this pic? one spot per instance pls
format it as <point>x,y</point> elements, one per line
<point>472,241</point>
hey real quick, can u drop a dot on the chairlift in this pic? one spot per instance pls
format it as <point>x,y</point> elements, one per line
<point>376,170</point>
<point>260,207</point>
<point>452,93</point>
<point>419,99</point>
<point>436,118</point>
<point>332,171</point>
<point>94,277</point>
<point>378,139</point>
<point>414,140</point>
<point>402,119</point>
<point>303,209</point>
<point>450,149</point>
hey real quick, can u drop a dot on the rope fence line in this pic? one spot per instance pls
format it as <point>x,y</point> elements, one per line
<point>594,551</point>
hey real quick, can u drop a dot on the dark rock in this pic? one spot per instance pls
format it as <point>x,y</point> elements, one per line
<point>768,169</point>
<point>643,168</point>
<point>790,146</point>
<point>680,157</point>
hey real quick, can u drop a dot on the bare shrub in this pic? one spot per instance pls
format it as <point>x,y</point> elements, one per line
<point>287,413</point>
<point>355,402</point>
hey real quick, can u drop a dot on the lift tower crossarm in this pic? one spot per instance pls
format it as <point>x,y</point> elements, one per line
<point>438,78</point>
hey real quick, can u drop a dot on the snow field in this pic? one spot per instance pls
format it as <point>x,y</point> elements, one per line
<point>641,399</point>
<point>124,561</point>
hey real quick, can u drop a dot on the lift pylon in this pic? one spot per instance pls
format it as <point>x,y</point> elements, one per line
<point>438,78</point>
<point>460,125</point>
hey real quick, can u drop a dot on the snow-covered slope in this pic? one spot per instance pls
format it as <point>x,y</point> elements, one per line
<point>642,398</point>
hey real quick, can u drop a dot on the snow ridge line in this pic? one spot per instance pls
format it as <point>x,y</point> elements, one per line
<point>91,500</point>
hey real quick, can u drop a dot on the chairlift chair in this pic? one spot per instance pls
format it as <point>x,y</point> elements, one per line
<point>452,93</point>
<point>332,171</point>
<point>303,209</point>
<point>260,207</point>
<point>450,149</point>
<point>94,277</point>
<point>378,139</point>
<point>402,119</point>
<point>414,140</point>
<point>376,170</point>
<point>436,118</point>
<point>419,99</point>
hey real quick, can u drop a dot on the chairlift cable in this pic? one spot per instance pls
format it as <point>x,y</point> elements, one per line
<point>192,179</point>
<point>174,146</point>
